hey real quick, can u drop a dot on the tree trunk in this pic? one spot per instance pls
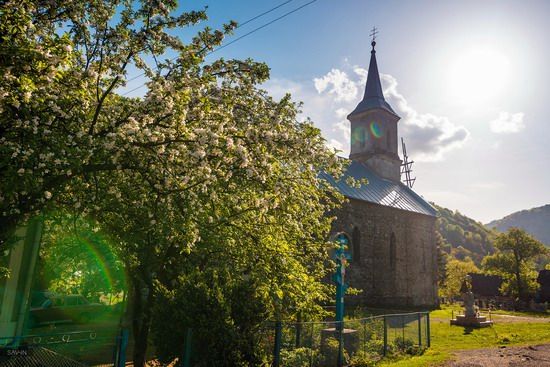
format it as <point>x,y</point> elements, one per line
<point>141,320</point>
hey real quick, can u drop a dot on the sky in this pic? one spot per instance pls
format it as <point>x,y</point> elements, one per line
<point>469,79</point>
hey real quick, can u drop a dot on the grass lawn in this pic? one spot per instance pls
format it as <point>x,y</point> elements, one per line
<point>446,338</point>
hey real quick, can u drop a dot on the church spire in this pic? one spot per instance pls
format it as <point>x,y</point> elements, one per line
<point>374,87</point>
<point>374,127</point>
<point>374,97</point>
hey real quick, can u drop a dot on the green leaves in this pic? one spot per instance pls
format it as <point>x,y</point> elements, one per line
<point>514,262</point>
<point>205,175</point>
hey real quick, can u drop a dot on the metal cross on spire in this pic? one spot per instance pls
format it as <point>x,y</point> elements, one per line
<point>373,33</point>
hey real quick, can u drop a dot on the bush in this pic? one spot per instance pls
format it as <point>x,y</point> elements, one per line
<point>300,357</point>
<point>226,323</point>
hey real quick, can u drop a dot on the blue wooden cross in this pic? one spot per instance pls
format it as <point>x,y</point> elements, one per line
<point>341,260</point>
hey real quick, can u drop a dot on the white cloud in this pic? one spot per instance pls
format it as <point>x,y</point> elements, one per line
<point>331,97</point>
<point>428,137</point>
<point>508,123</point>
<point>336,82</point>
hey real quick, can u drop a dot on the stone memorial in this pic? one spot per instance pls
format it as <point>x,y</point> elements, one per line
<point>471,316</point>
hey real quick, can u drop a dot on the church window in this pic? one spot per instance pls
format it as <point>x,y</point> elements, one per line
<point>388,139</point>
<point>393,251</point>
<point>356,243</point>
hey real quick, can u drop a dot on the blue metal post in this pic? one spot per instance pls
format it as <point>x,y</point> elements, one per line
<point>188,341</point>
<point>278,341</point>
<point>123,345</point>
<point>341,259</point>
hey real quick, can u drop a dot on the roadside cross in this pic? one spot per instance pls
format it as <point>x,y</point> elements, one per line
<point>342,258</point>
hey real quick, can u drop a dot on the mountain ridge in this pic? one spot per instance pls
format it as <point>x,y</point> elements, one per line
<point>535,221</point>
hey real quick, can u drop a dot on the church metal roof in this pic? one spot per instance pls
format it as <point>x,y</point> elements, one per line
<point>379,190</point>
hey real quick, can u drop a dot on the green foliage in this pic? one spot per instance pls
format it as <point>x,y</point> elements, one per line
<point>227,319</point>
<point>206,175</point>
<point>456,271</point>
<point>330,350</point>
<point>300,357</point>
<point>514,262</point>
<point>75,258</point>
<point>463,237</point>
<point>362,359</point>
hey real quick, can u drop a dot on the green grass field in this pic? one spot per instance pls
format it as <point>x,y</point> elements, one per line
<point>446,338</point>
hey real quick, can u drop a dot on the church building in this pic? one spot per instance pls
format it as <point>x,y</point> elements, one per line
<point>391,229</point>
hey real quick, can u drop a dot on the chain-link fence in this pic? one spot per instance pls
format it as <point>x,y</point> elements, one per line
<point>69,349</point>
<point>335,344</point>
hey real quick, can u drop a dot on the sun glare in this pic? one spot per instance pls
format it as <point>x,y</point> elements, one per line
<point>478,75</point>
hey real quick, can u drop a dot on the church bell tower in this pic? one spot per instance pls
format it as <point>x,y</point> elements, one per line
<point>374,128</point>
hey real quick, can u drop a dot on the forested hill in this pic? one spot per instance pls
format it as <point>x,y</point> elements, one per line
<point>462,236</point>
<point>535,221</point>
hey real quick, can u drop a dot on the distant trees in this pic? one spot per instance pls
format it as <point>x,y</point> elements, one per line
<point>514,261</point>
<point>456,271</point>
<point>463,237</point>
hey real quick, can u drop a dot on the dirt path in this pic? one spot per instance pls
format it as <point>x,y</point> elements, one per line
<point>531,356</point>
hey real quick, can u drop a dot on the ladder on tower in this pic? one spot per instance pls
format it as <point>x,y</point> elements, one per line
<point>406,167</point>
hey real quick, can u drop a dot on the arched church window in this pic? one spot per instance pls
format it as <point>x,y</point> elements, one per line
<point>393,251</point>
<point>356,244</point>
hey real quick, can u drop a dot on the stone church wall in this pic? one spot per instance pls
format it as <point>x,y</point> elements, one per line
<point>394,255</point>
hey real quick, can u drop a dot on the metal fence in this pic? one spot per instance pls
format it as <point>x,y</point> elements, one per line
<point>290,344</point>
<point>336,344</point>
<point>69,349</point>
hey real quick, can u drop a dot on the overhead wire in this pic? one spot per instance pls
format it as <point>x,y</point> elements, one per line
<point>241,37</point>
<point>237,27</point>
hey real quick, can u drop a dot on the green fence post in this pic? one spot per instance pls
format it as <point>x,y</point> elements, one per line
<point>122,346</point>
<point>403,331</point>
<point>188,340</point>
<point>428,341</point>
<point>365,336</point>
<point>385,336</point>
<point>298,330</point>
<point>419,329</point>
<point>278,340</point>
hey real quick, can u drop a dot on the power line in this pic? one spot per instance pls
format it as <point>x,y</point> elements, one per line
<point>237,27</point>
<point>264,13</point>
<point>263,26</point>
<point>240,38</point>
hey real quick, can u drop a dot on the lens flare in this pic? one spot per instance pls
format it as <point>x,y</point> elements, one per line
<point>103,257</point>
<point>375,129</point>
<point>80,259</point>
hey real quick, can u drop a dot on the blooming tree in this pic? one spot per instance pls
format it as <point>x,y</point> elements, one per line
<point>204,175</point>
